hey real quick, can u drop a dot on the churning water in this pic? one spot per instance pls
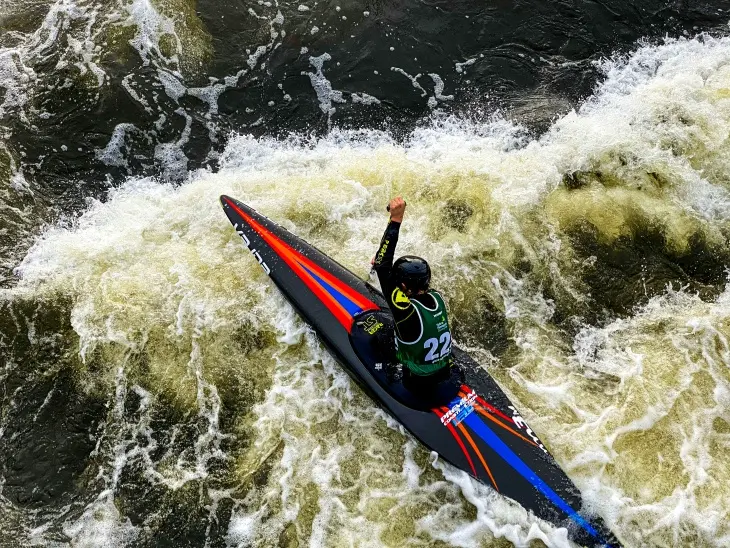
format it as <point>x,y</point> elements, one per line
<point>571,190</point>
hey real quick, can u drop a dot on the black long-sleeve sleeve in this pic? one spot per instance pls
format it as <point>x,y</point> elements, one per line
<point>383,264</point>
<point>407,320</point>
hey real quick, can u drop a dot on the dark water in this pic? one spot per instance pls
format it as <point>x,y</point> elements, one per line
<point>93,94</point>
<point>532,59</point>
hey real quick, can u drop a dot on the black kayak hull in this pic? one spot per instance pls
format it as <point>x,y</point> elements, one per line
<point>476,429</point>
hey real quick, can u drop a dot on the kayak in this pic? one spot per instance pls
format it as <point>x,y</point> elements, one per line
<point>474,426</point>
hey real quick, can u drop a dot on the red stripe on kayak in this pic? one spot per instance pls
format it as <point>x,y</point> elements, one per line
<point>297,262</point>
<point>352,294</point>
<point>454,433</point>
<point>355,296</point>
<point>478,452</point>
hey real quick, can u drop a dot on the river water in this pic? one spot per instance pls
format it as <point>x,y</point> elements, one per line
<point>566,169</point>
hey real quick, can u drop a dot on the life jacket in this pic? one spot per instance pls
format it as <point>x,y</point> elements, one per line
<point>431,351</point>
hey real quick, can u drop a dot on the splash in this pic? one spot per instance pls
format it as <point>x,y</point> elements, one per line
<point>581,248</point>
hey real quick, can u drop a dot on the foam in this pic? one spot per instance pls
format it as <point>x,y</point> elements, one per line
<point>326,95</point>
<point>634,407</point>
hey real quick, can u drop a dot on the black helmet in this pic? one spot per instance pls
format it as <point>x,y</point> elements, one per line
<point>412,271</point>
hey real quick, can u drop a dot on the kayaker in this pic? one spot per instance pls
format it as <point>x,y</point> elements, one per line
<point>422,333</point>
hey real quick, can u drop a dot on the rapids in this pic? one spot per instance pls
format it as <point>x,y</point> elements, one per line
<point>158,391</point>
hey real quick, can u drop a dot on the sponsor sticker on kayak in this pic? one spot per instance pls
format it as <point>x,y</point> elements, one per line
<point>371,325</point>
<point>254,252</point>
<point>521,424</point>
<point>459,409</point>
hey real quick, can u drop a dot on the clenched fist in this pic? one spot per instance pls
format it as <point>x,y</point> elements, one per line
<point>397,207</point>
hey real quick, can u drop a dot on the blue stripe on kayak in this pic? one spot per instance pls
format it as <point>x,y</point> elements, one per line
<point>486,434</point>
<point>346,303</point>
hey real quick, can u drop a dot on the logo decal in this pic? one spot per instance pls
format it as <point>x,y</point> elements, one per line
<point>400,300</point>
<point>254,252</point>
<point>371,325</point>
<point>521,424</point>
<point>460,409</point>
<point>381,252</point>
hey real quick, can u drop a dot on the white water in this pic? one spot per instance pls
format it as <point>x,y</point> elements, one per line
<point>636,411</point>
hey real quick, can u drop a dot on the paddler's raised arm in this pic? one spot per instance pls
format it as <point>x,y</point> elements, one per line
<point>383,262</point>
<point>407,322</point>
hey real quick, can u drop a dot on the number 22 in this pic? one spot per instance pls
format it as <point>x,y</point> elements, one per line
<point>433,344</point>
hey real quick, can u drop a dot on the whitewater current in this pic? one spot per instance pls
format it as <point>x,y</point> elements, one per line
<point>157,390</point>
